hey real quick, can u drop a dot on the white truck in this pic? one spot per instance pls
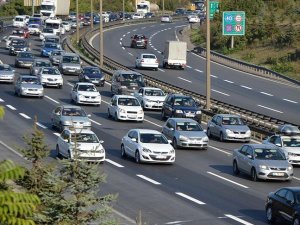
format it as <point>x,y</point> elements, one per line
<point>142,7</point>
<point>53,8</point>
<point>174,55</point>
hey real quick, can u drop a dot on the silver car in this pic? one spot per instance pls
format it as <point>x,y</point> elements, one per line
<point>185,133</point>
<point>37,64</point>
<point>262,162</point>
<point>27,85</point>
<point>228,127</point>
<point>66,116</point>
<point>55,56</point>
<point>7,74</point>
<point>70,64</point>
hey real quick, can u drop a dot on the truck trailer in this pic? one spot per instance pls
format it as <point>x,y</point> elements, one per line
<point>174,55</point>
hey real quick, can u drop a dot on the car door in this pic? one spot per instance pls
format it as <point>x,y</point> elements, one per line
<point>138,60</point>
<point>241,157</point>
<point>56,114</point>
<point>287,206</point>
<point>140,95</point>
<point>278,202</point>
<point>249,160</point>
<point>167,129</point>
<point>169,106</point>
<point>214,126</point>
<point>113,105</point>
<point>74,92</point>
<point>17,86</point>
<point>130,143</point>
<point>64,142</point>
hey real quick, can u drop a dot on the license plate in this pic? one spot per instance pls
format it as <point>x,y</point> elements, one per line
<point>278,174</point>
<point>131,117</point>
<point>195,142</point>
<point>161,157</point>
<point>189,115</point>
<point>72,70</point>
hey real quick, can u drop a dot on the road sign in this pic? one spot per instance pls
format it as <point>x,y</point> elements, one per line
<point>234,23</point>
<point>213,8</point>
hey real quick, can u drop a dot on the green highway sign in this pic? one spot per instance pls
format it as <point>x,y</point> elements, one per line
<point>213,8</point>
<point>234,23</point>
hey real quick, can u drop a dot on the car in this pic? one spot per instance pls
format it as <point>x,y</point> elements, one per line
<point>18,45</point>
<point>55,56</point>
<point>7,74</point>
<point>23,33</point>
<point>178,105</point>
<point>74,24</point>
<point>19,21</point>
<point>283,205</point>
<point>288,140</point>
<point>48,47</point>
<point>185,133</point>
<point>72,16</point>
<point>66,25</point>
<point>70,64</point>
<point>146,145</point>
<point>46,32</point>
<point>52,39</point>
<point>24,59</point>
<point>125,107</point>
<point>147,60</point>
<point>86,22</point>
<point>80,145</point>
<point>228,127</point>
<point>50,76</point>
<point>92,74</point>
<point>27,85</point>
<point>149,15</point>
<point>190,14</point>
<point>139,41</point>
<point>137,16</point>
<point>67,116</point>
<point>113,17</point>
<point>262,161</point>
<point>166,19</point>
<point>126,82</point>
<point>9,39</point>
<point>34,29</point>
<point>194,19</point>
<point>150,97</point>
<point>96,20</point>
<point>37,64</point>
<point>85,93</point>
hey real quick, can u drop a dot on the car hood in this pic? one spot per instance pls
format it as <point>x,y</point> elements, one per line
<point>75,118</point>
<point>89,146</point>
<point>49,49</point>
<point>88,93</point>
<point>192,134</point>
<point>273,163</point>
<point>130,108</point>
<point>155,98</point>
<point>51,76</point>
<point>25,59</point>
<point>157,147</point>
<point>38,86</point>
<point>239,128</point>
<point>186,108</point>
<point>6,73</point>
<point>295,150</point>
<point>72,65</point>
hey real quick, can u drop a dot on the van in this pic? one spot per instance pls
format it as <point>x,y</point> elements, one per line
<point>70,64</point>
<point>19,21</point>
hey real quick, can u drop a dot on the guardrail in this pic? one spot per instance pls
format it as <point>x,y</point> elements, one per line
<point>261,125</point>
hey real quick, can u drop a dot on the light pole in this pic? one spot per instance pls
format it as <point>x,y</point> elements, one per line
<point>92,19</point>
<point>163,7</point>
<point>77,21</point>
<point>123,11</point>
<point>208,78</point>
<point>32,2</point>
<point>101,37</point>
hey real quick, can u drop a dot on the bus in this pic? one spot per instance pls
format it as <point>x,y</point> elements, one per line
<point>143,7</point>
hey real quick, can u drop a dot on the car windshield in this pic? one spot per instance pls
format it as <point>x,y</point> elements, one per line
<point>188,126</point>
<point>17,42</point>
<point>51,71</point>
<point>30,80</point>
<point>73,112</point>
<point>188,102</point>
<point>291,142</point>
<point>268,154</point>
<point>52,25</point>
<point>33,26</point>
<point>56,52</point>
<point>51,45</point>
<point>84,138</point>
<point>86,87</point>
<point>47,30</point>
<point>42,64</point>
<point>19,19</point>
<point>153,138</point>
<point>5,68</point>
<point>25,55</point>
<point>149,56</point>
<point>71,59</point>
<point>232,121</point>
<point>91,70</point>
<point>154,93</point>
<point>34,20</point>
<point>18,32</point>
<point>128,102</point>
<point>52,40</point>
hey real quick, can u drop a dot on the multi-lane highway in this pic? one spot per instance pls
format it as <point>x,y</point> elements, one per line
<point>199,189</point>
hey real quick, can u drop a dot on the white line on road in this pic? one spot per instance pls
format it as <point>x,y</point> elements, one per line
<point>11,107</point>
<point>148,179</point>
<point>130,53</point>
<point>223,178</point>
<point>25,116</point>
<point>220,150</point>
<point>296,178</point>
<point>51,99</point>
<point>265,107</point>
<point>70,84</point>
<point>124,35</point>
<point>155,49</point>
<point>214,76</point>
<point>128,32</point>
<point>220,92</point>
<point>238,219</point>
<point>11,149</point>
<point>200,71</point>
<point>178,222</point>
<point>134,30</point>
<point>161,70</point>
<point>159,52</point>
<point>40,125</point>
<point>121,39</point>
<point>95,122</point>
<point>114,163</point>
<point>184,79</point>
<point>288,100</point>
<point>189,67</point>
<point>1,100</point>
<point>153,123</point>
<point>143,28</point>
<point>120,43</point>
<point>229,81</point>
<point>56,134</point>
<point>152,26</point>
<point>249,88</point>
<point>265,93</point>
<point>190,198</point>
<point>123,48</point>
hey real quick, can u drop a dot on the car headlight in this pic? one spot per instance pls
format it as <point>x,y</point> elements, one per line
<point>264,167</point>
<point>98,97</point>
<point>248,132</point>
<point>198,112</point>
<point>292,154</point>
<point>123,87</point>
<point>147,150</point>
<point>80,96</point>
<point>12,48</point>
<point>86,77</point>
<point>88,123</point>
<point>148,100</point>
<point>229,131</point>
<point>140,111</point>
<point>68,123</point>
<point>205,139</point>
<point>178,111</point>
<point>289,168</point>
<point>122,110</point>
<point>183,138</point>
<point>172,151</point>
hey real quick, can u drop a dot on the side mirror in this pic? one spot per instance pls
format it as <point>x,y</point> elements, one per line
<point>171,128</point>
<point>278,144</point>
<point>250,156</point>
<point>134,139</point>
<point>170,142</point>
<point>101,141</point>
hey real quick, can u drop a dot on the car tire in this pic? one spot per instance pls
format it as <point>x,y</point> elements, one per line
<point>156,69</point>
<point>19,94</point>
<point>296,221</point>
<point>174,142</point>
<point>116,117</point>
<point>123,153</point>
<point>235,168</point>
<point>163,116</point>
<point>58,154</point>
<point>137,157</point>
<point>270,215</point>
<point>221,137</point>
<point>254,175</point>
<point>60,86</point>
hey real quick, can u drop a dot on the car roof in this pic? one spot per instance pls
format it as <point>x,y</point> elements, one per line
<point>125,96</point>
<point>183,120</point>
<point>262,146</point>
<point>85,131</point>
<point>147,131</point>
<point>42,60</point>
<point>151,88</point>
<point>127,72</point>
<point>71,106</point>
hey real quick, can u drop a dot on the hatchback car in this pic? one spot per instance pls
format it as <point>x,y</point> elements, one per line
<point>9,39</point>
<point>70,64</point>
<point>37,64</point>
<point>262,162</point>
<point>48,47</point>
<point>66,116</point>
<point>18,45</point>
<point>166,19</point>
<point>185,133</point>
<point>46,32</point>
<point>150,97</point>
<point>147,146</point>
<point>139,41</point>
<point>34,29</point>
<point>7,74</point>
<point>194,19</point>
<point>92,74</point>
<point>85,93</point>
<point>228,127</point>
<point>80,144</point>
<point>24,59</point>
<point>29,86</point>
<point>125,107</point>
<point>55,56</point>
<point>50,76</point>
<point>147,60</point>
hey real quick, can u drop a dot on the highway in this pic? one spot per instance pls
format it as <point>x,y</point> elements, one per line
<point>261,95</point>
<point>199,189</point>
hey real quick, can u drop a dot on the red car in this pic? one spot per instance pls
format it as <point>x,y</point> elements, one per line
<point>139,41</point>
<point>21,33</point>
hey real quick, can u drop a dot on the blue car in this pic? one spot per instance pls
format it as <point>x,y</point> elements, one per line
<point>93,75</point>
<point>48,47</point>
<point>96,19</point>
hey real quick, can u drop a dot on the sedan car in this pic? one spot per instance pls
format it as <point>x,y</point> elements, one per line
<point>137,16</point>
<point>185,133</point>
<point>9,39</point>
<point>139,41</point>
<point>66,116</point>
<point>147,146</point>
<point>150,97</point>
<point>48,47</point>
<point>147,60</point>
<point>24,59</point>
<point>85,93</point>
<point>66,25</point>
<point>80,144</point>
<point>46,32</point>
<point>18,45</point>
<point>29,86</point>
<point>37,64</point>
<point>194,19</point>
<point>283,204</point>
<point>7,74</point>
<point>262,161</point>
<point>166,19</point>
<point>55,56</point>
<point>228,127</point>
<point>92,74</point>
<point>125,107</point>
<point>23,33</point>
<point>50,76</point>
<point>34,29</point>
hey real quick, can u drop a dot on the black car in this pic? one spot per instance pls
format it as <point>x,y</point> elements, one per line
<point>284,204</point>
<point>92,74</point>
<point>114,17</point>
<point>18,45</point>
<point>149,15</point>
<point>177,105</point>
<point>139,41</point>
<point>24,59</point>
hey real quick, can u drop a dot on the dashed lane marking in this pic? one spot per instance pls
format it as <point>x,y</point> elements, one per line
<point>265,107</point>
<point>11,107</point>
<point>291,101</point>
<point>41,125</point>
<point>53,100</point>
<point>223,178</point>
<point>123,48</point>
<point>238,219</point>
<point>214,76</point>
<point>148,179</point>
<point>189,67</point>
<point>222,93</point>
<point>114,163</point>
<point>184,79</point>
<point>25,116</point>
<point>161,70</point>
<point>229,81</point>
<point>249,88</point>
<point>56,134</point>
<point>200,71</point>
<point>220,150</point>
<point>95,122</point>
<point>190,198</point>
<point>1,100</point>
<point>130,53</point>
<point>265,93</point>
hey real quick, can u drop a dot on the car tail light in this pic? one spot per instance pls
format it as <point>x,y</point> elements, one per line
<point>156,61</point>
<point>142,60</point>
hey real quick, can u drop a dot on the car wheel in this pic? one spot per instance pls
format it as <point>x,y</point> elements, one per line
<point>123,153</point>
<point>296,221</point>
<point>163,116</point>
<point>221,137</point>
<point>270,215</point>
<point>19,93</point>
<point>108,113</point>
<point>174,142</point>
<point>209,133</point>
<point>116,117</point>
<point>59,86</point>
<point>58,152</point>
<point>155,69</point>
<point>235,167</point>
<point>137,157</point>
<point>253,175</point>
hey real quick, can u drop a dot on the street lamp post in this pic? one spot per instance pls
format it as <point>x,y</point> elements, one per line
<point>32,2</point>
<point>92,17</point>
<point>101,37</point>
<point>208,78</point>
<point>123,18</point>
<point>77,21</point>
<point>163,7</point>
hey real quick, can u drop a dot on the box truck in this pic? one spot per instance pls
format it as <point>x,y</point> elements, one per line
<point>174,55</point>
<point>53,8</point>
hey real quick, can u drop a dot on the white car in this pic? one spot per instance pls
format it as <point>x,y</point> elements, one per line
<point>34,29</point>
<point>66,25</point>
<point>166,19</point>
<point>147,146</point>
<point>85,93</point>
<point>50,76</point>
<point>80,144</point>
<point>8,40</point>
<point>194,19</point>
<point>125,107</point>
<point>147,61</point>
<point>19,21</point>
<point>137,16</point>
<point>150,97</point>
<point>46,32</point>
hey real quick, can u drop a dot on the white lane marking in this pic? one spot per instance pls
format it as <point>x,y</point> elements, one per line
<point>11,149</point>
<point>121,39</point>
<point>229,81</point>
<point>249,88</point>
<point>56,134</point>
<point>180,26</point>
<point>200,71</point>
<point>155,49</point>
<point>25,116</point>
<point>1,100</point>
<point>159,52</point>
<point>188,66</point>
<point>178,222</point>
<point>130,53</point>
<point>220,150</point>
<point>114,163</point>
<point>288,100</point>
<point>11,107</point>
<point>223,178</point>
<point>190,198</point>
<point>123,216</point>
<point>143,28</point>
<point>152,26</point>
<point>222,93</point>
<point>124,35</point>
<point>238,219</point>
<point>70,84</point>
<point>148,179</point>
<point>265,107</point>
<point>95,122</point>
<point>214,76</point>
<point>40,125</point>
<point>153,123</point>
<point>184,79</point>
<point>161,70</point>
<point>296,178</point>
<point>120,43</point>
<point>51,99</point>
<point>134,30</point>
<point>128,32</point>
<point>265,93</point>
<point>123,48</point>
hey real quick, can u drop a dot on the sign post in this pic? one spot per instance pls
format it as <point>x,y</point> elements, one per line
<point>213,8</point>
